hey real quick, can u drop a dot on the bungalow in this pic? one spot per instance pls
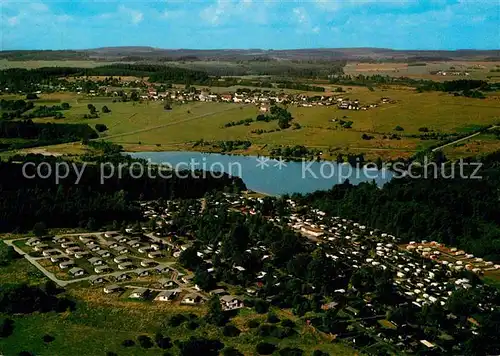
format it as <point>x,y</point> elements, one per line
<point>96,280</point>
<point>121,250</point>
<point>95,248</point>
<point>95,261</point>
<point>41,247</point>
<point>121,259</point>
<point>103,269</point>
<point>148,263</point>
<point>33,242</point>
<point>52,252</point>
<point>126,265</point>
<point>73,250</point>
<point>66,264</point>
<point>111,288</point>
<point>330,305</point>
<point>187,279</point>
<point>57,240</point>
<point>192,299</point>
<point>230,302</point>
<point>68,244</point>
<point>81,254</point>
<point>142,272</point>
<point>155,254</point>
<point>218,291</point>
<point>76,271</point>
<point>139,293</point>
<point>103,253</point>
<point>134,243</point>
<point>57,259</point>
<point>162,269</point>
<point>167,283</point>
<point>122,277</point>
<point>166,296</point>
<point>144,249</point>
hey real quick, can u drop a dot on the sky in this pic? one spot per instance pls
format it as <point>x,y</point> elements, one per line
<point>266,24</point>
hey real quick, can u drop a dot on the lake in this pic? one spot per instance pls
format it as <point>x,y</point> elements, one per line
<point>270,176</point>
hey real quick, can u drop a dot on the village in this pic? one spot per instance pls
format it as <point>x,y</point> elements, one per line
<point>142,263</point>
<point>262,98</point>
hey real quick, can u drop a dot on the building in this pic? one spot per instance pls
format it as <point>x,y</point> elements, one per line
<point>111,288</point>
<point>192,299</point>
<point>66,264</point>
<point>139,293</point>
<point>230,302</point>
<point>167,295</point>
<point>142,272</point>
<point>103,269</point>
<point>96,261</point>
<point>96,280</point>
<point>76,272</point>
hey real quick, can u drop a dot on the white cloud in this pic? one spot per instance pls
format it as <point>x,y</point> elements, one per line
<point>13,21</point>
<point>236,10</point>
<point>300,15</point>
<point>134,16</point>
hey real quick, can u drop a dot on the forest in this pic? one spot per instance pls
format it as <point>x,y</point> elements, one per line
<point>39,134</point>
<point>91,204</point>
<point>26,79</point>
<point>459,212</point>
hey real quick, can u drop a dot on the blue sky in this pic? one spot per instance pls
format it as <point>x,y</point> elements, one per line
<point>269,24</point>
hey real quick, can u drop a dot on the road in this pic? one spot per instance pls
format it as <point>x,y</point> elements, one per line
<point>461,139</point>
<point>171,123</point>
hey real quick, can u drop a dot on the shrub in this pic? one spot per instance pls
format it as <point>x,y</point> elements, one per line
<point>164,343</point>
<point>289,351</point>
<point>231,331</point>
<point>128,343</point>
<point>287,323</point>
<point>265,348</point>
<point>252,324</point>
<point>176,320</point>
<point>145,341</point>
<point>231,351</point>
<point>319,353</point>
<point>48,338</point>
<point>6,327</point>
<point>261,306</point>
<point>398,128</point>
<point>192,325</point>
<point>101,127</point>
<point>272,318</point>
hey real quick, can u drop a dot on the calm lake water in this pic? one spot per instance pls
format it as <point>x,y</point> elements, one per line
<point>268,176</point>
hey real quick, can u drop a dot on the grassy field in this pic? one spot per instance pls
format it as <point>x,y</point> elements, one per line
<point>100,323</point>
<point>5,64</point>
<point>147,126</point>
<point>476,69</point>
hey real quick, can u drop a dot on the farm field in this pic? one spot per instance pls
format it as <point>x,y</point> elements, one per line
<point>476,69</point>
<point>147,126</point>
<point>6,64</point>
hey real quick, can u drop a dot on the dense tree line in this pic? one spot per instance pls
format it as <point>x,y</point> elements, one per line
<point>300,86</point>
<point>30,130</point>
<point>24,201</point>
<point>27,80</point>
